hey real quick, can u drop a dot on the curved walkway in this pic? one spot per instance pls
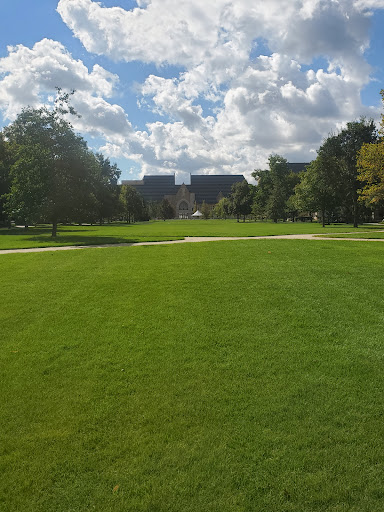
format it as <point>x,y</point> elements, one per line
<point>191,239</point>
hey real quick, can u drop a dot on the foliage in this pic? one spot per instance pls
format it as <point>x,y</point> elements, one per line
<point>241,199</point>
<point>319,187</point>
<point>205,210</point>
<point>132,203</point>
<point>166,210</point>
<point>371,168</point>
<point>261,193</point>
<point>222,208</point>
<point>274,187</point>
<point>107,190</point>
<point>53,171</point>
<point>5,164</point>
<point>343,148</point>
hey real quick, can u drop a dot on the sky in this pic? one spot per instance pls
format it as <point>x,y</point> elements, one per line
<point>196,86</point>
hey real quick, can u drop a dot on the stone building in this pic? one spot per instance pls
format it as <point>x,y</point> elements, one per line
<point>185,199</point>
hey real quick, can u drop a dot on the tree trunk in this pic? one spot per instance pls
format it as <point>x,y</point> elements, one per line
<point>323,217</point>
<point>355,211</point>
<point>54,228</point>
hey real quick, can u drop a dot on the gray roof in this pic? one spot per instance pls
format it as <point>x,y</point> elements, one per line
<point>298,167</point>
<point>205,187</point>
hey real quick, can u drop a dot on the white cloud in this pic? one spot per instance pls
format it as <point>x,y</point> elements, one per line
<point>28,74</point>
<point>230,107</point>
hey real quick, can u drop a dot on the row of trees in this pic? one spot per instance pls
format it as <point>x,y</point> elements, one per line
<point>48,174</point>
<point>344,183</point>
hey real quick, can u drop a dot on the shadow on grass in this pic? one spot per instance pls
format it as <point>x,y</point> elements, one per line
<point>63,239</point>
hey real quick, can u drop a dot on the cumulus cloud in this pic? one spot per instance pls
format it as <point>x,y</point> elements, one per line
<point>248,85</point>
<point>227,111</point>
<point>27,75</point>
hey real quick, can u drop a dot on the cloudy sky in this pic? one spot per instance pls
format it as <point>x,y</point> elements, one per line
<point>196,86</point>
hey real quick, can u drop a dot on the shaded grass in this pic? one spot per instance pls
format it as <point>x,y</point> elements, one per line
<point>200,377</point>
<point>40,236</point>
<point>18,238</point>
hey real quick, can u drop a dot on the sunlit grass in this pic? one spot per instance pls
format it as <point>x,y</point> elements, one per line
<point>234,376</point>
<point>157,230</point>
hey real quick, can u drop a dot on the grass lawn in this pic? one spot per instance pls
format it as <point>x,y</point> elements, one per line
<point>18,238</point>
<point>370,235</point>
<point>225,377</point>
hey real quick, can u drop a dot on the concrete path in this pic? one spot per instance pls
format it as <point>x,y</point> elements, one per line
<point>191,239</point>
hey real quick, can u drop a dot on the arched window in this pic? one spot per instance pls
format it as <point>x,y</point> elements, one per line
<point>183,206</point>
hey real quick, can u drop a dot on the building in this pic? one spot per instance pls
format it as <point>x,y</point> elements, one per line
<point>185,199</point>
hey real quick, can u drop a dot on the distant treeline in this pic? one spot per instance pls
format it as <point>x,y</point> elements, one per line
<point>48,174</point>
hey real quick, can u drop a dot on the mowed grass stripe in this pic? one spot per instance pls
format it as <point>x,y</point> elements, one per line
<point>220,377</point>
<point>40,236</point>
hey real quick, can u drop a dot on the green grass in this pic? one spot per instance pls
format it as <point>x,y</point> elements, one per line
<point>371,235</point>
<point>222,377</point>
<point>18,238</point>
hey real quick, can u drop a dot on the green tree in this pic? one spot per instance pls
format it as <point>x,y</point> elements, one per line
<point>344,148</point>
<point>132,203</point>
<point>241,199</point>
<point>262,192</point>
<point>205,210</point>
<point>106,190</point>
<point>370,165</point>
<point>166,210</point>
<point>52,173</point>
<point>277,201</point>
<point>5,184</point>
<point>318,189</point>
<point>222,208</point>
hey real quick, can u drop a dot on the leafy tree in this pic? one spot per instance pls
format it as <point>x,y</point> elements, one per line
<point>293,179</point>
<point>166,210</point>
<point>52,172</point>
<point>318,189</point>
<point>371,172</point>
<point>5,164</point>
<point>132,203</point>
<point>276,204</point>
<point>222,208</point>
<point>205,210</point>
<point>370,164</point>
<point>262,192</point>
<point>344,148</point>
<point>241,199</point>
<point>106,190</point>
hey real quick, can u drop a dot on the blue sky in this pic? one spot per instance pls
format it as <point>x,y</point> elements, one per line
<point>175,86</point>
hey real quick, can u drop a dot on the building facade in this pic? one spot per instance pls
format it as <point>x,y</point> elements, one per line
<point>185,199</point>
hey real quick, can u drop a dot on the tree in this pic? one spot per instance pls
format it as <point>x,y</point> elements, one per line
<point>241,199</point>
<point>222,208</point>
<point>318,189</point>
<point>5,164</point>
<point>205,210</point>
<point>277,201</point>
<point>53,170</point>
<point>262,192</point>
<point>166,210</point>
<point>107,190</point>
<point>132,203</point>
<point>370,165</point>
<point>344,148</point>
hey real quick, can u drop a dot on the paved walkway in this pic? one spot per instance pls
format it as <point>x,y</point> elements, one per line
<point>191,239</point>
